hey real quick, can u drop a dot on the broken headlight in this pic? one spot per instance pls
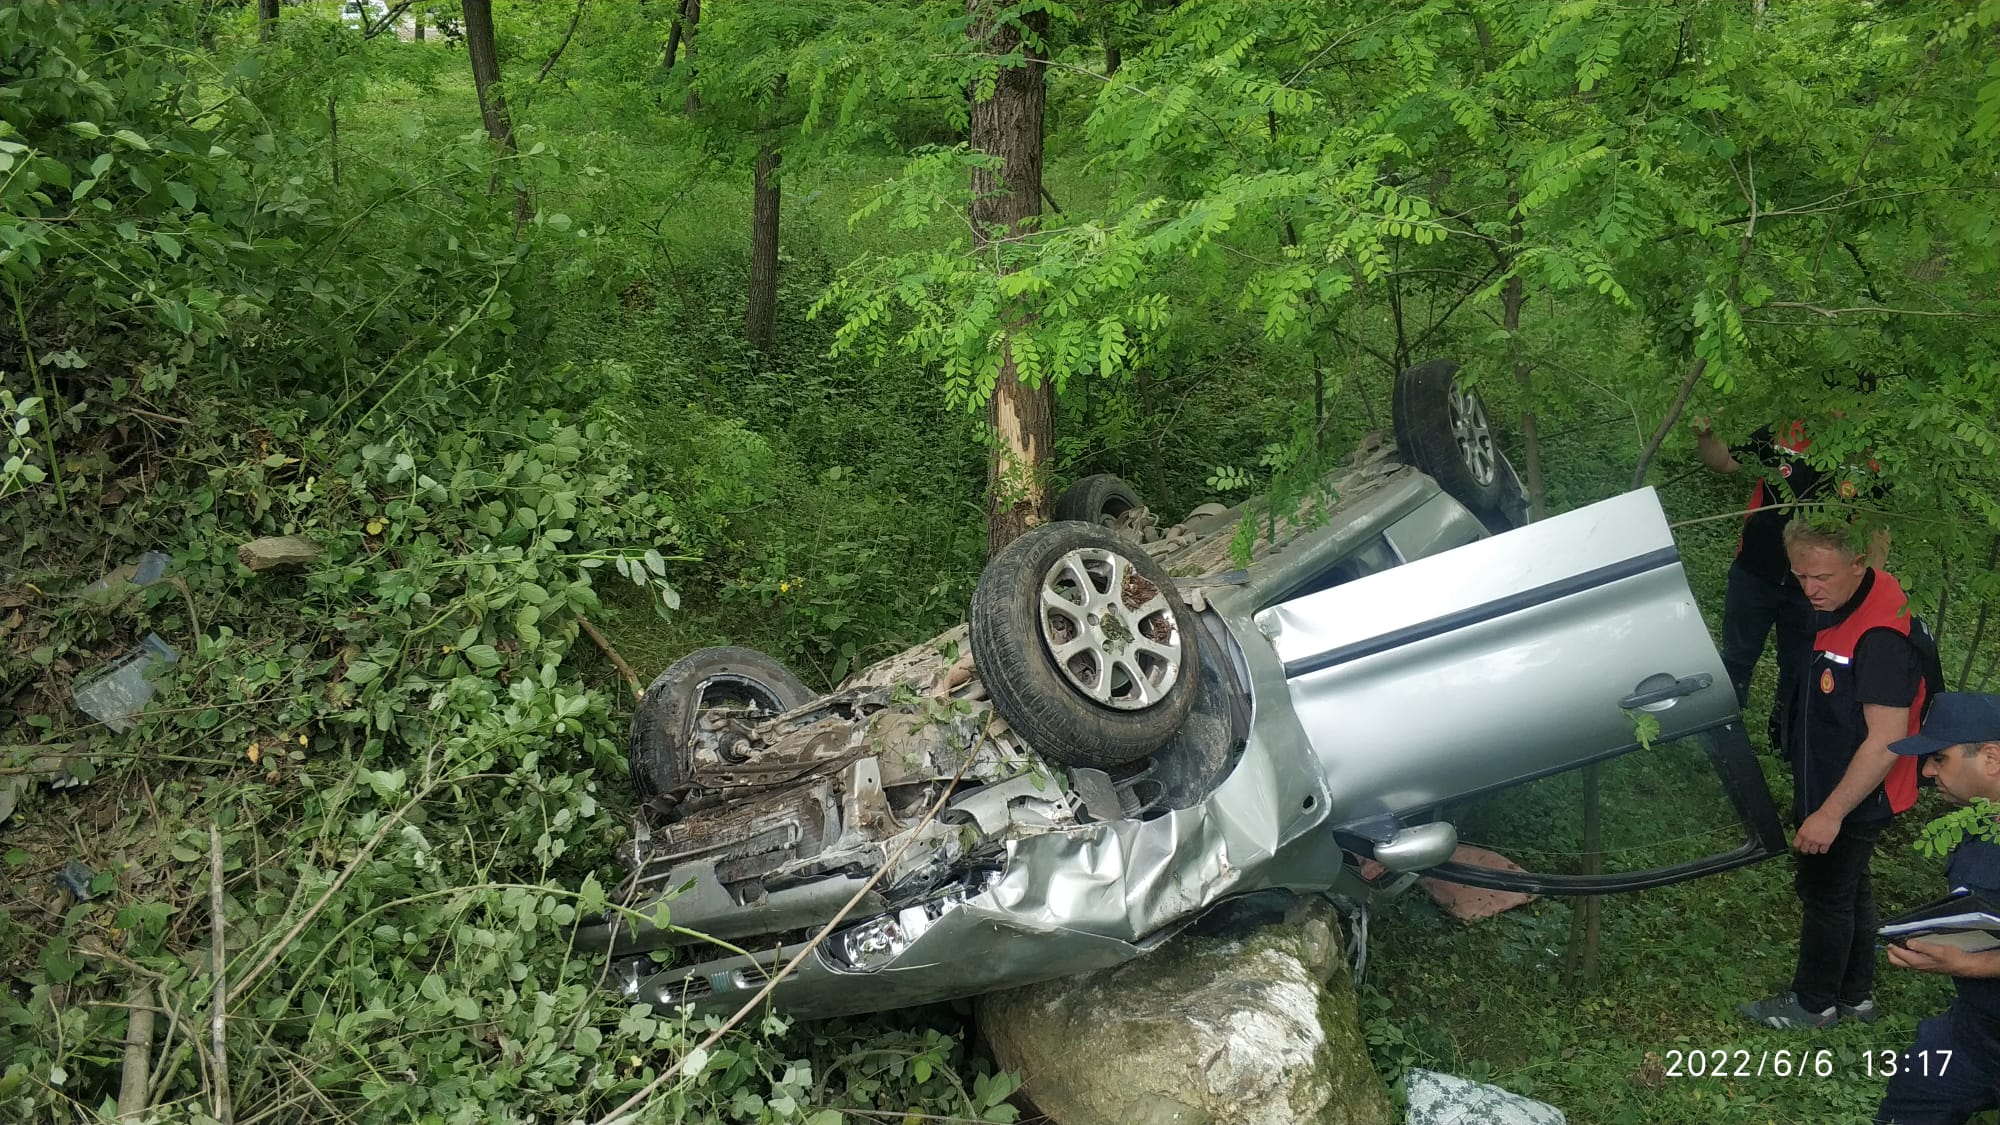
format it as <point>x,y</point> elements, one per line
<point>880,940</point>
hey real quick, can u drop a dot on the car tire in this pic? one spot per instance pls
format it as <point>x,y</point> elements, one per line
<point>1072,682</point>
<point>1444,430</point>
<point>1100,499</point>
<point>663,723</point>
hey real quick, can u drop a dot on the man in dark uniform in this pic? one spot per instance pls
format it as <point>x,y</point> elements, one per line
<point>1952,1071</point>
<point>1862,689</point>
<point>1761,593</point>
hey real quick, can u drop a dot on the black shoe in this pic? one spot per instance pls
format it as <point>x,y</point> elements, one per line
<point>1785,1013</point>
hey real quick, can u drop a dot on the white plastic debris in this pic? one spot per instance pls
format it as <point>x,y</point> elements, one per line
<point>1444,1099</point>
<point>115,694</point>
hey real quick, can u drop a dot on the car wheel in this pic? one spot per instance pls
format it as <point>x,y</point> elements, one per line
<point>663,725</point>
<point>1099,499</point>
<point>1085,646</point>
<point>1444,430</point>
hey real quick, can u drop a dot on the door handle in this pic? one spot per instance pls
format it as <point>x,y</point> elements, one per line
<point>1664,692</point>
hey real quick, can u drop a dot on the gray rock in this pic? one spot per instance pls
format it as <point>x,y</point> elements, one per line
<point>276,551</point>
<point>1444,1099</point>
<point>1230,1028</point>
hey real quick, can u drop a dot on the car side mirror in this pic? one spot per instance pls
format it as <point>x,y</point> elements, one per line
<point>1418,847</point>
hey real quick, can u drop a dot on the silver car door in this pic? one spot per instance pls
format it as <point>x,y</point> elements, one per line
<point>1474,686</point>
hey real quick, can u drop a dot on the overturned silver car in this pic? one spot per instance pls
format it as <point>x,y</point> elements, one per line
<point>1132,729</point>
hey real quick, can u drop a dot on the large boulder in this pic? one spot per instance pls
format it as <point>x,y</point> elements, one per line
<point>1248,1019</point>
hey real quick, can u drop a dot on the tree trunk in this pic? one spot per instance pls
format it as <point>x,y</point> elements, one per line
<point>1005,203</point>
<point>333,136</point>
<point>1113,59</point>
<point>760,321</point>
<point>1524,377</point>
<point>1978,625</point>
<point>486,79</point>
<point>690,17</point>
<point>1586,919</point>
<point>267,19</point>
<point>673,41</point>
<point>417,28</point>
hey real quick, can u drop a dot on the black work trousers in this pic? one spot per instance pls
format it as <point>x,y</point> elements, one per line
<point>1950,1073</point>
<point>1837,934</point>
<point>1751,608</point>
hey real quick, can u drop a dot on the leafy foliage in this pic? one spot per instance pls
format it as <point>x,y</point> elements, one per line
<point>1979,820</point>
<point>257,288</point>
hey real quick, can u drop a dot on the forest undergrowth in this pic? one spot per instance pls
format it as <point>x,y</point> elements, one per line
<point>281,289</point>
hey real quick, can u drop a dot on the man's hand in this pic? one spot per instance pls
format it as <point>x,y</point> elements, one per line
<point>1816,833</point>
<point>1713,453</point>
<point>1946,960</point>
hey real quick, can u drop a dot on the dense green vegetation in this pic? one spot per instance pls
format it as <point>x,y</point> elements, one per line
<point>287,283</point>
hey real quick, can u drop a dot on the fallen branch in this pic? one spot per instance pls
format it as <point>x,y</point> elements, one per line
<point>138,1055</point>
<point>157,417</point>
<point>617,661</point>
<point>219,1013</point>
<point>163,1075</point>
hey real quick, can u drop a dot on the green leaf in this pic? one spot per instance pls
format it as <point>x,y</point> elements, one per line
<point>176,315</point>
<point>387,784</point>
<point>483,657</point>
<point>363,672</point>
<point>183,194</point>
<point>133,139</point>
<point>168,244</point>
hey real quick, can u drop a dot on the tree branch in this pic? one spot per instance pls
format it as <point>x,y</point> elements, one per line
<point>389,18</point>
<point>1424,338</point>
<point>219,1016</point>
<point>574,19</point>
<point>617,661</point>
<point>1747,184</point>
<point>138,1054</point>
<point>1830,313</point>
<point>1357,342</point>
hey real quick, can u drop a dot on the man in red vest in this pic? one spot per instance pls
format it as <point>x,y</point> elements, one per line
<point>1862,689</point>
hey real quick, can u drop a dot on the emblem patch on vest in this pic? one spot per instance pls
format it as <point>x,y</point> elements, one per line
<point>1826,681</point>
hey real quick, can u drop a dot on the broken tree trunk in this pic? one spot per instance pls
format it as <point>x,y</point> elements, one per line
<point>1006,202</point>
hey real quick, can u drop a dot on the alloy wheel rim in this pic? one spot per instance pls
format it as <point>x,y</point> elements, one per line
<point>1109,629</point>
<point>1474,436</point>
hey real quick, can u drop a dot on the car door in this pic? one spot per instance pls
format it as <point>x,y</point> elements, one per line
<point>1551,693</point>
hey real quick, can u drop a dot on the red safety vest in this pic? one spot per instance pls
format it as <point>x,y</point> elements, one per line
<point>1832,714</point>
